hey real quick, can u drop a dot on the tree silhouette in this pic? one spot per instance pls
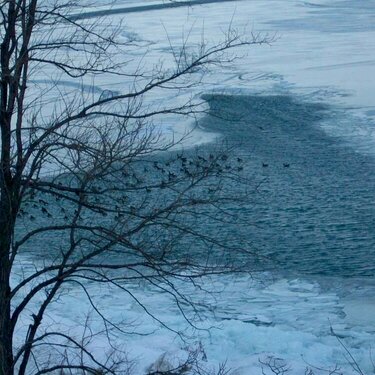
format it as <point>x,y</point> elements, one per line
<point>87,184</point>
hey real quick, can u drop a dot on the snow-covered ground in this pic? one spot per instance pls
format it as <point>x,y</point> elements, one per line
<point>323,50</point>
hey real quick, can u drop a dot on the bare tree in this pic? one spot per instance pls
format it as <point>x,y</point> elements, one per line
<point>86,184</point>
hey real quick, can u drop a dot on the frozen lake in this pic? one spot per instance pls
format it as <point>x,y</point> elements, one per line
<point>307,110</point>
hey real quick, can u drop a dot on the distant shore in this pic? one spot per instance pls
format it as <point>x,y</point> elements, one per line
<point>142,8</point>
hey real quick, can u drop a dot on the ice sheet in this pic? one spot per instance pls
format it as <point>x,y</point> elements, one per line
<point>322,50</point>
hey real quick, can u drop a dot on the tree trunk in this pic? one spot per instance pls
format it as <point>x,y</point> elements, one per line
<point>6,351</point>
<point>6,197</point>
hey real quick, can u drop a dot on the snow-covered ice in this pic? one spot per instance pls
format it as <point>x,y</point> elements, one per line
<point>321,50</point>
<point>252,319</point>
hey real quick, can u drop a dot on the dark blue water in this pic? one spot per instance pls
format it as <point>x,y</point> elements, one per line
<point>310,208</point>
<point>314,210</point>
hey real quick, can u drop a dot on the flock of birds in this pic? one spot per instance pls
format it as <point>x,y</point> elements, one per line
<point>285,165</point>
<point>219,162</point>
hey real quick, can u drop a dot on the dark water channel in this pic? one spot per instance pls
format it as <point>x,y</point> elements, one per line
<point>314,211</point>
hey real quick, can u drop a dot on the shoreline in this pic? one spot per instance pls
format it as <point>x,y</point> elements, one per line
<point>143,8</point>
